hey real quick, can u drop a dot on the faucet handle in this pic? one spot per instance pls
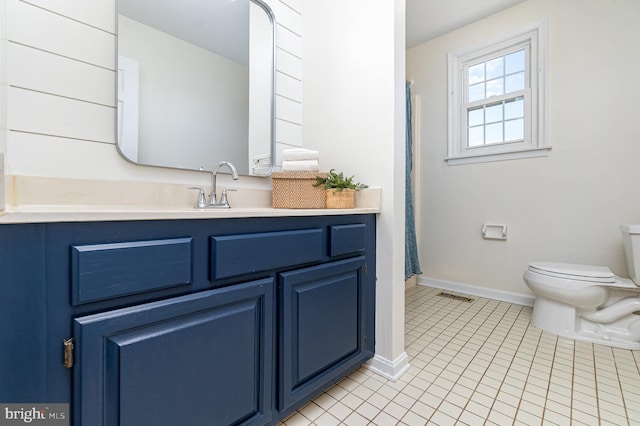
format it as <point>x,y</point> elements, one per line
<point>202,199</point>
<point>223,197</point>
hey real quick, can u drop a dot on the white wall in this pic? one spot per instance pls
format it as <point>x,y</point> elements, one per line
<point>566,207</point>
<point>354,115</point>
<point>60,72</point>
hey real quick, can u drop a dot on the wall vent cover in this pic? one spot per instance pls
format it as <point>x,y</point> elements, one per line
<point>455,297</point>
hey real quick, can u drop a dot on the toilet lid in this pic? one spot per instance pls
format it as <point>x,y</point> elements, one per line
<point>572,271</point>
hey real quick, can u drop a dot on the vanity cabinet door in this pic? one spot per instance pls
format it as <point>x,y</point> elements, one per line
<point>200,359</point>
<point>322,327</point>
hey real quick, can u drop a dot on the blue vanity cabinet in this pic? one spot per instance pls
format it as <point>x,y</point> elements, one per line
<point>192,321</point>
<point>23,335</point>
<point>323,327</point>
<point>199,359</point>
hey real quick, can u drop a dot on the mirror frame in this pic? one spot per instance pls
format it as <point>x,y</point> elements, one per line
<point>272,106</point>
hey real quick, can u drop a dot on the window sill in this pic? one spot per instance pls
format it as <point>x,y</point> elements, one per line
<point>502,156</point>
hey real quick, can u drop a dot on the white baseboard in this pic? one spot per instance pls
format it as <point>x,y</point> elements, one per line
<point>504,296</point>
<point>388,369</point>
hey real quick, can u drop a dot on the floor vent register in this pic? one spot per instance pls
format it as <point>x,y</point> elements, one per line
<point>455,297</point>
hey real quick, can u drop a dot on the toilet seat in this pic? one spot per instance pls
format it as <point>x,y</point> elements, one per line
<point>576,272</point>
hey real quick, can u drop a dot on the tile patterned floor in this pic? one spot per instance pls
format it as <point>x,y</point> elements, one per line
<point>482,363</point>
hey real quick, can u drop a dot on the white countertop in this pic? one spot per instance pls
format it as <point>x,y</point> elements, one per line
<point>58,213</point>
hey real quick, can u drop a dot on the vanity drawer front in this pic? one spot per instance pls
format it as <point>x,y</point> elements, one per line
<point>104,271</point>
<point>233,255</point>
<point>345,239</point>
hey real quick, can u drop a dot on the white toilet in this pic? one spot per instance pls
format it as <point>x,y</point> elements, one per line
<point>590,303</point>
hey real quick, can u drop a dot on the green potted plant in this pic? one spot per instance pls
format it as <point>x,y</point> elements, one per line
<point>339,190</point>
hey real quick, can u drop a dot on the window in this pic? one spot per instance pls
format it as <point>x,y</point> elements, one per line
<point>496,105</point>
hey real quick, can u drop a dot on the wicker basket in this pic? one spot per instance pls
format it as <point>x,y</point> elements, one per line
<point>345,199</point>
<point>295,190</point>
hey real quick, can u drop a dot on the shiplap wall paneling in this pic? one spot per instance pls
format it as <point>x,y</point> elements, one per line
<point>35,112</point>
<point>288,75</point>
<point>289,110</point>
<point>288,40</point>
<point>288,133</point>
<point>288,87</point>
<point>97,13</point>
<point>41,71</point>
<point>289,64</point>
<point>288,17</point>
<point>293,4</point>
<point>45,30</point>
<point>60,74</point>
<point>71,158</point>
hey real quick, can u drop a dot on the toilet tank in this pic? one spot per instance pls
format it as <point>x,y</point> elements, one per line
<point>631,241</point>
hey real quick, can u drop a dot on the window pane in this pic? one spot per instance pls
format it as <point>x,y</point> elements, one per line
<point>494,133</point>
<point>514,130</point>
<point>475,117</point>
<point>514,108</point>
<point>495,68</point>
<point>514,82</point>
<point>495,87</point>
<point>493,113</point>
<point>476,74</point>
<point>475,136</point>
<point>495,97</point>
<point>514,62</point>
<point>476,92</point>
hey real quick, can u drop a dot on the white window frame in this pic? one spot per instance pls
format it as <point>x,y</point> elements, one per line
<point>533,38</point>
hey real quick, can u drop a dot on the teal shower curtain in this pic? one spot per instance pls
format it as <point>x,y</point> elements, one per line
<point>411,262</point>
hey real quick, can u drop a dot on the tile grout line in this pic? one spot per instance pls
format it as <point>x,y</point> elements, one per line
<point>595,381</point>
<point>528,374</point>
<point>479,309</point>
<point>573,376</point>
<point>546,398</point>
<point>483,374</point>
<point>485,302</point>
<point>510,363</point>
<point>624,401</point>
<point>509,368</point>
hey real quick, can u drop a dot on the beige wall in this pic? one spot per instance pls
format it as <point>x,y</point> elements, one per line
<point>566,207</point>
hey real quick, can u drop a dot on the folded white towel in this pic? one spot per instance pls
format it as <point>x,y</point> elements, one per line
<point>260,170</point>
<point>301,166</point>
<point>295,154</point>
<point>262,159</point>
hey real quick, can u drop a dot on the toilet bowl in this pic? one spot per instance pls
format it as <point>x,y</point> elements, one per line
<point>587,302</point>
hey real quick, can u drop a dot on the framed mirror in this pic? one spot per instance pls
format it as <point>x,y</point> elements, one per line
<point>196,84</point>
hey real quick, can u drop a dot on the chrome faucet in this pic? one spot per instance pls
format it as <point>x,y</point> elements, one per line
<point>213,199</point>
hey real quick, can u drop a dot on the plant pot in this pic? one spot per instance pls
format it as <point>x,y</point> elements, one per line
<point>345,199</point>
